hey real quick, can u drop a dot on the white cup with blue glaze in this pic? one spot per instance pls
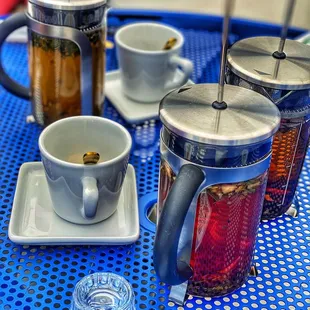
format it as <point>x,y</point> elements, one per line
<point>85,194</point>
<point>148,72</point>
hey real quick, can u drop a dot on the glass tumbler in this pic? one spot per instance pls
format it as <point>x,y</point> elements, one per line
<point>103,291</point>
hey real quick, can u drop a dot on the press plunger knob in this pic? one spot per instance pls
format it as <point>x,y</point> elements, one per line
<point>279,54</point>
<point>219,104</point>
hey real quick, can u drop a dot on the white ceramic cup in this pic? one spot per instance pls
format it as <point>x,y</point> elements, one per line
<point>85,194</point>
<point>148,72</point>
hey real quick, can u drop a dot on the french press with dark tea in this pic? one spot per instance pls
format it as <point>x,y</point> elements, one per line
<point>213,176</point>
<point>215,156</point>
<point>279,69</point>
<point>66,57</point>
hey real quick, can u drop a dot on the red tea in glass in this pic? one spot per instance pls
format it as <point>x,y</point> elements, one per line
<point>226,223</point>
<point>289,150</point>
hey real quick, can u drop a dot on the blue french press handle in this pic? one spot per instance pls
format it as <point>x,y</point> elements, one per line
<point>12,23</point>
<point>169,267</point>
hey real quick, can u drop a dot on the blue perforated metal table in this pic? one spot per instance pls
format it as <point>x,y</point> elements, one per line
<point>41,277</point>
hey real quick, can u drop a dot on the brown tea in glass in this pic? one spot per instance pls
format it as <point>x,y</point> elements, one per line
<point>55,71</point>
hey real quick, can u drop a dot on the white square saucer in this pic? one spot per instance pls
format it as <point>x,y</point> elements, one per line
<point>33,220</point>
<point>132,111</point>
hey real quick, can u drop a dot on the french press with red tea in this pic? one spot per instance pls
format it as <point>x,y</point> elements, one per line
<point>215,156</point>
<point>213,176</point>
<point>280,70</point>
<point>66,57</point>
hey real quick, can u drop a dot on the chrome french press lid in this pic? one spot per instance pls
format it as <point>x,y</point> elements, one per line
<point>254,59</point>
<point>85,15</point>
<point>246,118</point>
<point>69,4</point>
<point>81,14</point>
<point>271,62</point>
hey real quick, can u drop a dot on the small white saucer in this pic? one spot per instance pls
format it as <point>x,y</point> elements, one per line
<point>33,220</point>
<point>132,111</point>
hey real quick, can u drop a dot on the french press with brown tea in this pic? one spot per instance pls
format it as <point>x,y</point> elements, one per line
<point>66,57</point>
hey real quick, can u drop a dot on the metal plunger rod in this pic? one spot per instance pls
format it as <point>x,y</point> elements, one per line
<point>287,20</point>
<point>228,9</point>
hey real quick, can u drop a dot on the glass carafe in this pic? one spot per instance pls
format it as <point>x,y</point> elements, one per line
<point>225,227</point>
<point>211,187</point>
<point>289,150</point>
<point>66,43</point>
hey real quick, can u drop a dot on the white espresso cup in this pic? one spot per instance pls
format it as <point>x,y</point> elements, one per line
<point>147,71</point>
<point>85,194</point>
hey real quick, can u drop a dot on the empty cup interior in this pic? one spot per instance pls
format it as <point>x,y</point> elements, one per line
<point>68,140</point>
<point>147,36</point>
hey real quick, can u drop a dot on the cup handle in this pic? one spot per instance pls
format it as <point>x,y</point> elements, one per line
<point>12,23</point>
<point>187,69</point>
<point>171,269</point>
<point>90,197</point>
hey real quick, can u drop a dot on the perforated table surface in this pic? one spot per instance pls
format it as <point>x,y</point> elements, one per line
<point>42,277</point>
